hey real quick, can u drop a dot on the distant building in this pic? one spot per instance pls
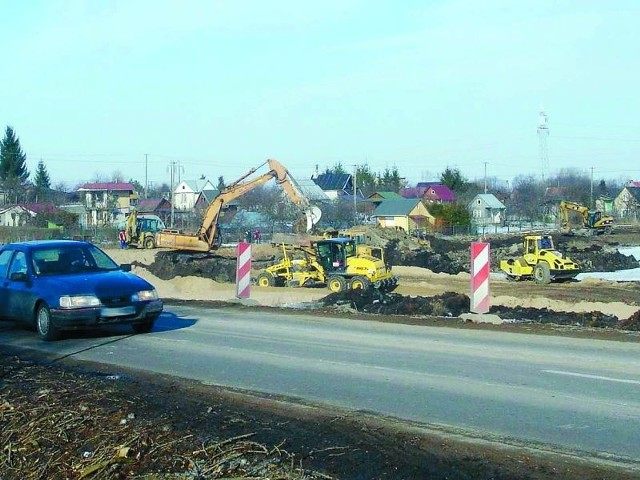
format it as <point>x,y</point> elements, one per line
<point>627,203</point>
<point>187,192</point>
<point>487,210</point>
<point>408,214</point>
<point>14,216</point>
<point>335,185</point>
<point>107,203</point>
<point>155,206</point>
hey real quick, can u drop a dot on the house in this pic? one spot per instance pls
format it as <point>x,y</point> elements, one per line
<point>437,193</point>
<point>187,191</point>
<point>376,198</point>
<point>155,206</point>
<point>486,209</point>
<point>408,214</point>
<point>79,210</point>
<point>106,203</point>
<point>334,185</point>
<point>14,216</point>
<point>627,203</point>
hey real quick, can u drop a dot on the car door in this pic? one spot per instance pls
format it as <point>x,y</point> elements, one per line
<point>5,257</point>
<point>19,292</point>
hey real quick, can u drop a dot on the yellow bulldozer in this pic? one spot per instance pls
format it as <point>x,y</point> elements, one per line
<point>338,263</point>
<point>540,262</point>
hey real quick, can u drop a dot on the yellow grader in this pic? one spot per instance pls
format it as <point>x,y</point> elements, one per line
<point>540,261</point>
<point>338,263</point>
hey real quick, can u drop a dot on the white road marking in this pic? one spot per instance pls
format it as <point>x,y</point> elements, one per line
<point>594,377</point>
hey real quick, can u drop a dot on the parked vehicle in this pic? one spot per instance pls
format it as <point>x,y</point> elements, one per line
<point>56,285</point>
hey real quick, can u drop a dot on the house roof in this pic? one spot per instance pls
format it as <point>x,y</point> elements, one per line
<point>151,204</point>
<point>396,207</point>
<point>311,190</point>
<point>443,192</point>
<point>111,186</point>
<point>634,191</point>
<point>490,200</point>
<point>41,207</point>
<point>209,194</point>
<point>332,181</point>
<point>413,192</point>
<point>426,184</point>
<point>8,208</point>
<point>379,196</point>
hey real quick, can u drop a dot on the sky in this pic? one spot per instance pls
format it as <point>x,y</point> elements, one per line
<point>218,87</point>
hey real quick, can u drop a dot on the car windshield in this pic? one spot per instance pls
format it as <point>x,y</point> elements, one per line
<point>67,259</point>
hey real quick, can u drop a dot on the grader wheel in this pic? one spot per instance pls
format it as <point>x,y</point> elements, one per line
<point>265,279</point>
<point>336,284</point>
<point>360,283</point>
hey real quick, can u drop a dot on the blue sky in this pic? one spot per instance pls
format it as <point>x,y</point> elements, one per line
<point>220,86</point>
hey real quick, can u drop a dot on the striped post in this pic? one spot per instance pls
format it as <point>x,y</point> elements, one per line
<point>479,277</point>
<point>243,270</point>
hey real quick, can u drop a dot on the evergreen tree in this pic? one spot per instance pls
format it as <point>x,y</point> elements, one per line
<point>13,168</point>
<point>42,180</point>
<point>452,178</point>
<point>221,186</point>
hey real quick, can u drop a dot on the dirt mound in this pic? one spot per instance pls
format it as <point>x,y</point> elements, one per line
<point>452,256</point>
<point>452,304</point>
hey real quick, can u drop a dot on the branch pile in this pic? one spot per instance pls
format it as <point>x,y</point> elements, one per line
<point>60,424</point>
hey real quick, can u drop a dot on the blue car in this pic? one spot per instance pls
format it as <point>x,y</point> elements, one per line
<point>56,285</point>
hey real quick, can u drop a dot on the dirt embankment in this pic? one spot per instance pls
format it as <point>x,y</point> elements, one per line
<point>432,275</point>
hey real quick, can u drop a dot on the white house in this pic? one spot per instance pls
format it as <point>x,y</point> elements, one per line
<point>14,216</point>
<point>187,191</point>
<point>486,209</point>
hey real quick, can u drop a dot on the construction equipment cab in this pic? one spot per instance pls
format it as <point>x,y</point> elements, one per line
<point>140,230</point>
<point>593,221</point>
<point>540,262</point>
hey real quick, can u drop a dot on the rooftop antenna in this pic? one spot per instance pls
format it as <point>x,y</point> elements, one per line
<point>543,135</point>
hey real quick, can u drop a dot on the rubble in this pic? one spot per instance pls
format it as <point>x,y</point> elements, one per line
<point>453,305</point>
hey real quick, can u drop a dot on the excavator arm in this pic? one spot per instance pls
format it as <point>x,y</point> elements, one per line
<point>208,236</point>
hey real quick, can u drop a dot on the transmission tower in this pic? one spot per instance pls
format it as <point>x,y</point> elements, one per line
<point>543,135</point>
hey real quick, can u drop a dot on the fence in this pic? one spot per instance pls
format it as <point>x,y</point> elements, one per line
<point>98,235</point>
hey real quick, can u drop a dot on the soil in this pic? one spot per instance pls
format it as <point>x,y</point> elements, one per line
<point>66,420</point>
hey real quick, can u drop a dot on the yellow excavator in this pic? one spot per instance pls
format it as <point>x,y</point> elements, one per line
<point>208,236</point>
<point>593,221</point>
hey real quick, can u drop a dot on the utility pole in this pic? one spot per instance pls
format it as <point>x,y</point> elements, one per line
<point>172,167</point>
<point>355,205</point>
<point>591,196</point>
<point>146,174</point>
<point>485,177</point>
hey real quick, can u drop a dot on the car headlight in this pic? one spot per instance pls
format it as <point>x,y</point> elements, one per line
<point>79,301</point>
<point>144,295</point>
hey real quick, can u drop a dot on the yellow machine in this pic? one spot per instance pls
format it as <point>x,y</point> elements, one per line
<point>594,221</point>
<point>541,262</point>
<point>338,263</point>
<point>208,236</point>
<point>141,230</point>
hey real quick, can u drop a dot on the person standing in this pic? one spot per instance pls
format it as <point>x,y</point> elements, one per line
<point>123,238</point>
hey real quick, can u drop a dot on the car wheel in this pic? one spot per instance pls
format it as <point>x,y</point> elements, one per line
<point>149,243</point>
<point>44,326</point>
<point>360,283</point>
<point>336,284</point>
<point>542,274</point>
<point>266,279</point>
<point>144,327</point>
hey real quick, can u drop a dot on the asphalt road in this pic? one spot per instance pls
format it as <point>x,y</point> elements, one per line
<point>571,394</point>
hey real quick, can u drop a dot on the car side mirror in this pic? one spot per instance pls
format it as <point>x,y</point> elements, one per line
<point>19,277</point>
<point>125,267</point>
